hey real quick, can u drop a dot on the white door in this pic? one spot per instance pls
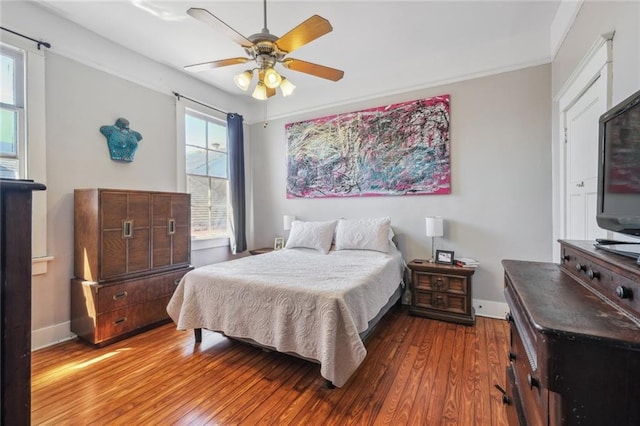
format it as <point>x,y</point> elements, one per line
<point>581,129</point>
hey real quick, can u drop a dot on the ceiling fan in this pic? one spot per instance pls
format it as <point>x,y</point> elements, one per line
<point>267,50</point>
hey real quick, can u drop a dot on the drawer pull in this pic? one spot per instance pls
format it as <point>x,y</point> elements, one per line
<point>120,320</point>
<point>580,267</point>
<point>511,355</point>
<point>177,281</point>
<point>508,317</point>
<point>533,382</point>
<point>439,283</point>
<point>438,301</point>
<point>506,400</point>
<point>593,274</point>
<point>172,226</point>
<point>120,295</point>
<point>624,292</point>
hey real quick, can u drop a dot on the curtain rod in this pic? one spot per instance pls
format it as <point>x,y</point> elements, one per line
<point>38,42</point>
<point>178,95</point>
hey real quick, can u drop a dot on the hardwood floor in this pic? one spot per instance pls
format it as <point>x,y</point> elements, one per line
<point>417,372</point>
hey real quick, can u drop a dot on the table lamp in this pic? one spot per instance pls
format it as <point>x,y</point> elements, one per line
<point>435,228</point>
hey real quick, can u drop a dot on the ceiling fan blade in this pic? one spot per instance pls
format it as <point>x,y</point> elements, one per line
<point>306,32</point>
<point>313,69</point>
<point>203,15</point>
<point>215,64</point>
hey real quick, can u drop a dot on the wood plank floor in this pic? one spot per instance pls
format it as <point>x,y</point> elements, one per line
<point>417,372</point>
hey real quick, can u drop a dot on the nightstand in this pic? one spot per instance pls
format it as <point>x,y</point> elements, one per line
<point>441,292</point>
<point>262,250</point>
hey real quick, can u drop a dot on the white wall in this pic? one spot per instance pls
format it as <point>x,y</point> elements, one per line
<point>500,205</point>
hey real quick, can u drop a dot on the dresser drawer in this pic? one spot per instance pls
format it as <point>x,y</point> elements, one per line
<point>533,394</point>
<point>116,296</point>
<point>620,287</point>
<point>120,321</point>
<point>156,310</point>
<point>163,285</point>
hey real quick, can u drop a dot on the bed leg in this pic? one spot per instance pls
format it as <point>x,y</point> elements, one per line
<point>330,385</point>
<point>197,333</point>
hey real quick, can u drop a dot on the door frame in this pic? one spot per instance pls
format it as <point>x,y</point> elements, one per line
<point>597,63</point>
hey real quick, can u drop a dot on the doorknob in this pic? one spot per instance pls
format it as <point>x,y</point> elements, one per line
<point>580,185</point>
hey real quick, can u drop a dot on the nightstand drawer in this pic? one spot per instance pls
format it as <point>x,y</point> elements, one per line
<point>442,301</point>
<point>438,282</point>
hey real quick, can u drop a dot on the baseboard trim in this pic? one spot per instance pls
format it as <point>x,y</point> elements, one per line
<point>487,308</point>
<point>51,335</point>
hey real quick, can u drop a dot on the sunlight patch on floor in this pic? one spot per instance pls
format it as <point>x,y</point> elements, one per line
<point>72,367</point>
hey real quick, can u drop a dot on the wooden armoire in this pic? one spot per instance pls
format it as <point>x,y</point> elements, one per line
<point>131,249</point>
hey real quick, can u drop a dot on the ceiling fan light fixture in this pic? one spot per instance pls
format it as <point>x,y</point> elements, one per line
<point>287,87</point>
<point>260,92</point>
<point>271,78</point>
<point>243,80</point>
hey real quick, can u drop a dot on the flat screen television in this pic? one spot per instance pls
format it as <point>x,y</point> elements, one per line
<point>619,168</point>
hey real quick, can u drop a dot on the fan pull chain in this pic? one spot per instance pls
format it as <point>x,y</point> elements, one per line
<point>265,122</point>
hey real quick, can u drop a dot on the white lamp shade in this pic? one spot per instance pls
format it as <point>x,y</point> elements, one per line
<point>272,79</point>
<point>287,220</point>
<point>260,91</point>
<point>287,87</point>
<point>435,226</point>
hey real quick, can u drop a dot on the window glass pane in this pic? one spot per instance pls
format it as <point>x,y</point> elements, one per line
<point>8,132</point>
<point>7,80</point>
<point>196,160</point>
<point>217,136</point>
<point>217,164</point>
<point>195,131</point>
<point>9,168</point>
<point>198,187</point>
<point>219,191</point>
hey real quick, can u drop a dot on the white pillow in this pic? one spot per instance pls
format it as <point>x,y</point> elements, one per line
<point>363,234</point>
<point>315,235</point>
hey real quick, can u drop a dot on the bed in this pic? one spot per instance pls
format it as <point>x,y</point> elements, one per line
<point>316,301</point>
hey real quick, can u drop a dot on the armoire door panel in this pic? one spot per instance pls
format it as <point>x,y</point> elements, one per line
<point>161,209</point>
<point>138,210</point>
<point>181,245</point>
<point>161,247</point>
<point>181,209</point>
<point>114,210</point>
<point>138,251</point>
<point>113,254</point>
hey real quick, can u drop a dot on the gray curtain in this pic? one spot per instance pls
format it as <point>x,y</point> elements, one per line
<point>235,136</point>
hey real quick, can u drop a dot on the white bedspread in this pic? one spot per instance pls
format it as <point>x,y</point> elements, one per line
<point>293,300</point>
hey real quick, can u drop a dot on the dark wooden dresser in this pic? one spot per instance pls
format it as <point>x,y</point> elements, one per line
<point>131,249</point>
<point>575,339</point>
<point>15,300</point>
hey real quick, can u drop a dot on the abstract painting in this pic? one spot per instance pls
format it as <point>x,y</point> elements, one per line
<point>399,149</point>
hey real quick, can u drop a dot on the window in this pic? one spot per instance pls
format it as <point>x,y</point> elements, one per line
<point>12,113</point>
<point>22,129</point>
<point>207,170</point>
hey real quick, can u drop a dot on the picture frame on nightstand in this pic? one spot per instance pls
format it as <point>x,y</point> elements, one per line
<point>444,257</point>
<point>278,243</point>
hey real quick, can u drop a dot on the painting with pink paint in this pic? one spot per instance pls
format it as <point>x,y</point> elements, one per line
<point>398,149</point>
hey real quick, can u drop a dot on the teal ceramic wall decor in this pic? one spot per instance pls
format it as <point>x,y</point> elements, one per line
<point>121,140</point>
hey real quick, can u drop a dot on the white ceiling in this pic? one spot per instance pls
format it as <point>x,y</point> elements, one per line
<point>383,47</point>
